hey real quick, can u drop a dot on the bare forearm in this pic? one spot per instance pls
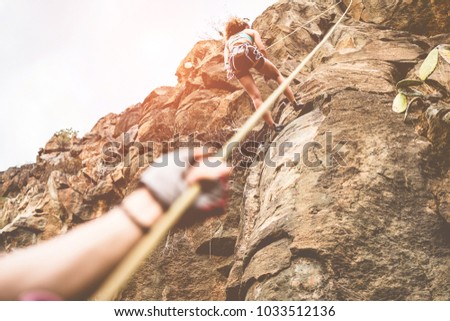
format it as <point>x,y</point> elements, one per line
<point>72,265</point>
<point>259,44</point>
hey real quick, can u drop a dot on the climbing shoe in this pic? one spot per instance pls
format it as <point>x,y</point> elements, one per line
<point>298,106</point>
<point>305,109</point>
<point>278,128</point>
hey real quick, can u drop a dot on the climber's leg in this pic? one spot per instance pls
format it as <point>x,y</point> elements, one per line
<point>271,72</point>
<point>250,87</point>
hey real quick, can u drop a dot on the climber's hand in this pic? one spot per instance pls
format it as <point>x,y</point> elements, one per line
<point>171,174</point>
<point>230,74</point>
<point>264,52</point>
<point>209,168</point>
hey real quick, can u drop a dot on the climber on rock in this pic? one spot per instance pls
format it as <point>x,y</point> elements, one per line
<point>244,50</point>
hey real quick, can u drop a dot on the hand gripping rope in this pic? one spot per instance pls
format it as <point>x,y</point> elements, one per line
<point>125,269</point>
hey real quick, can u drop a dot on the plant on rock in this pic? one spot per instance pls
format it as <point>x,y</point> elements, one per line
<point>406,95</point>
<point>65,136</point>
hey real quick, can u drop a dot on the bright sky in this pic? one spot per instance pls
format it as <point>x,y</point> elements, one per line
<point>67,63</point>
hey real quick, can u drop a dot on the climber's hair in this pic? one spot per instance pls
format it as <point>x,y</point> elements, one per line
<point>235,25</point>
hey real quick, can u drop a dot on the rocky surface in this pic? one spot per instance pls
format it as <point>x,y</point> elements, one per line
<point>356,208</point>
<point>418,16</point>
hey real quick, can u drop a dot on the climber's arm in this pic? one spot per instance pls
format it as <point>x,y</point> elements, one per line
<point>227,67</point>
<point>259,44</point>
<point>72,265</point>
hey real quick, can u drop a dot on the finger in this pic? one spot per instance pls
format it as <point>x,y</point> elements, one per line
<point>212,172</point>
<point>200,153</point>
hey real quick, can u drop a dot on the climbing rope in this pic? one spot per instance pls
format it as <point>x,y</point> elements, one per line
<point>119,277</point>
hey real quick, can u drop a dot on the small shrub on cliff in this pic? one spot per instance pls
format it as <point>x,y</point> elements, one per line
<point>65,136</point>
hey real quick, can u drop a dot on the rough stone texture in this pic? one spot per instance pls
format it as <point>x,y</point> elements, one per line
<point>356,208</point>
<point>423,17</point>
<point>129,118</point>
<point>369,229</point>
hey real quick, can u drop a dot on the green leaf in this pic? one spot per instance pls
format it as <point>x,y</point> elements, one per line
<point>429,64</point>
<point>409,105</point>
<point>444,51</point>
<point>408,83</point>
<point>410,92</point>
<point>400,103</point>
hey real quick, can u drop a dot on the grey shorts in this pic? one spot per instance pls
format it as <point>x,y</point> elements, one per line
<point>243,58</point>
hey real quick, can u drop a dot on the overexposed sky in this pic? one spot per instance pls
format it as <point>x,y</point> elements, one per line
<point>67,63</point>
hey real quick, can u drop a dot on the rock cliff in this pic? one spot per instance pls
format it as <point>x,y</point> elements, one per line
<point>356,207</point>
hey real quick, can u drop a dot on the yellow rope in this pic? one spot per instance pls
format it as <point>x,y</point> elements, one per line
<point>120,276</point>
